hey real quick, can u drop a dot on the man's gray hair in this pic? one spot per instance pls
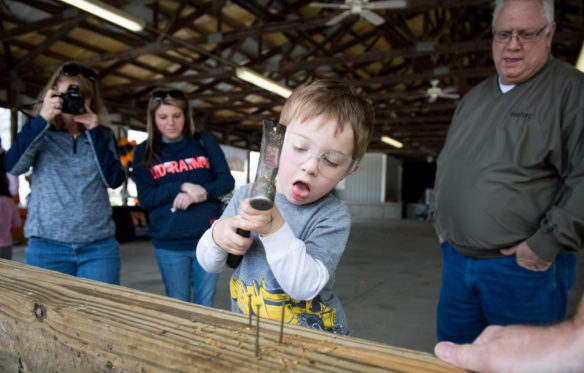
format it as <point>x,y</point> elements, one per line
<point>548,11</point>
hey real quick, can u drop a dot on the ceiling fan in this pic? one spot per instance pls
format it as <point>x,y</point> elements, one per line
<point>435,92</point>
<point>362,8</point>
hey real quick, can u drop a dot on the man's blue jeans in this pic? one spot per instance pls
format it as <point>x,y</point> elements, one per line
<point>99,260</point>
<point>180,269</point>
<point>476,293</point>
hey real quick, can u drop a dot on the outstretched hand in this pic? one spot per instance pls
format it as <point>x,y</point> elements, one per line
<point>517,348</point>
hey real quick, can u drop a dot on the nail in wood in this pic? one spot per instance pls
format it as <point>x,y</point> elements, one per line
<point>249,303</point>
<point>258,332</point>
<point>282,320</point>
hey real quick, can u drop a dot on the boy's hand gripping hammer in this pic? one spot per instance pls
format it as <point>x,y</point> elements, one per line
<point>263,191</point>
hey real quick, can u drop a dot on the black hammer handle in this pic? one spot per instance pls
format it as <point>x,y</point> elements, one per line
<point>232,259</point>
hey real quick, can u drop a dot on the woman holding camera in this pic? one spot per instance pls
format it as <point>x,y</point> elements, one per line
<point>74,158</point>
<point>180,175</point>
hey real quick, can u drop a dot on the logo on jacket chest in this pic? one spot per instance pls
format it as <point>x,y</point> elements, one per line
<point>176,167</point>
<point>521,115</point>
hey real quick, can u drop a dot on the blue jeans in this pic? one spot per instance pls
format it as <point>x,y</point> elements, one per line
<point>476,293</point>
<point>180,268</point>
<point>98,260</point>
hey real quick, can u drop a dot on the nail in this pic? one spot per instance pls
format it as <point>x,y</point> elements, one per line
<point>249,303</point>
<point>258,332</point>
<point>443,350</point>
<point>282,320</point>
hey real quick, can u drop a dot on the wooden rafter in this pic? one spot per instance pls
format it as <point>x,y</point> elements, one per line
<point>195,45</point>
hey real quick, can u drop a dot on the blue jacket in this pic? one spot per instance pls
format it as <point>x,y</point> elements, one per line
<point>158,185</point>
<point>69,200</point>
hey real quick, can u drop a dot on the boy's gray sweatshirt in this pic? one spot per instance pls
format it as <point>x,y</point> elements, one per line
<point>323,226</point>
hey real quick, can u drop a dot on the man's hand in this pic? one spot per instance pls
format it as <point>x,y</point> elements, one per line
<point>484,355</point>
<point>262,222</point>
<point>197,192</point>
<point>226,237</point>
<point>526,258</point>
<point>518,348</point>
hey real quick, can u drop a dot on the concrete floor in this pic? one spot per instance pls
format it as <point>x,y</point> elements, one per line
<point>388,280</point>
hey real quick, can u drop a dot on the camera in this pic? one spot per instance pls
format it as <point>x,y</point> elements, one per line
<point>73,103</point>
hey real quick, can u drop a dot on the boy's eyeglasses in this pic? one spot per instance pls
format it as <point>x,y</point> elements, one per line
<point>161,94</point>
<point>73,69</point>
<point>330,163</point>
<point>523,36</point>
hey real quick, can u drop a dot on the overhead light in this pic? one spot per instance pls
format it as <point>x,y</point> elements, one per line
<point>392,142</point>
<point>109,13</point>
<point>580,62</point>
<point>254,78</point>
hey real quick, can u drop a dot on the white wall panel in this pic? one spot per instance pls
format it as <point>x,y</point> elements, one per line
<point>368,183</point>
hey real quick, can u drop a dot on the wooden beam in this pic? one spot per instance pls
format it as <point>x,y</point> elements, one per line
<point>54,322</point>
<point>27,28</point>
<point>47,43</point>
<point>251,32</point>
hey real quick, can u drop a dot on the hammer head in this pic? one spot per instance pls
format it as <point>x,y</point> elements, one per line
<point>263,190</point>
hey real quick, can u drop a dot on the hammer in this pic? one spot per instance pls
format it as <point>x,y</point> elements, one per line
<point>263,190</point>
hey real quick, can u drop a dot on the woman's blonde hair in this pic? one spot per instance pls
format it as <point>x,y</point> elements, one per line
<point>337,101</point>
<point>88,88</point>
<point>174,97</point>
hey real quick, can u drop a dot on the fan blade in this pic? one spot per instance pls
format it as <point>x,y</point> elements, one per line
<point>390,4</point>
<point>450,89</point>
<point>338,18</point>
<point>452,96</point>
<point>372,17</point>
<point>329,6</point>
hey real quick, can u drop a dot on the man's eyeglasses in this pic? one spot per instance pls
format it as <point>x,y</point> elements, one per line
<point>162,94</point>
<point>523,36</point>
<point>73,69</point>
<point>331,164</point>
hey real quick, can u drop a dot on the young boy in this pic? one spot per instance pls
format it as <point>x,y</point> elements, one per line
<point>292,254</point>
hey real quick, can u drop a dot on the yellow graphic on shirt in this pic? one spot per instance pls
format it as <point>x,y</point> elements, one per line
<point>311,313</point>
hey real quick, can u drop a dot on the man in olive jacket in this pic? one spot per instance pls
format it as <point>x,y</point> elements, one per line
<point>509,201</point>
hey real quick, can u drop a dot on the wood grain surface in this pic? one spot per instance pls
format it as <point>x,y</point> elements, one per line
<point>51,322</point>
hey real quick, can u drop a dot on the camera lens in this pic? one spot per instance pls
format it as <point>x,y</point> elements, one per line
<point>73,103</point>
